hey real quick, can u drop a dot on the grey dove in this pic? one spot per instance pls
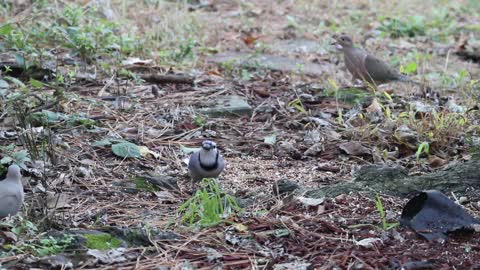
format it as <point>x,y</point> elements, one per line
<point>11,192</point>
<point>206,163</point>
<point>366,67</point>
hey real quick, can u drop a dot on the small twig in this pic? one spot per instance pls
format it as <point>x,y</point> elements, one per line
<point>104,88</point>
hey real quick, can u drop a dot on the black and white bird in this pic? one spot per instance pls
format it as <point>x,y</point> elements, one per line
<point>11,192</point>
<point>206,163</point>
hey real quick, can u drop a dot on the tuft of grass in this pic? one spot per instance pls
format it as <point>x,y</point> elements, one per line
<point>385,224</point>
<point>164,31</point>
<point>438,130</point>
<point>298,105</point>
<point>176,36</point>
<point>76,28</point>
<point>209,206</point>
<point>403,27</point>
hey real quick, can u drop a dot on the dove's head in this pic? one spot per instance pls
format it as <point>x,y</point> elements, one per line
<point>208,145</point>
<point>14,171</point>
<point>344,41</point>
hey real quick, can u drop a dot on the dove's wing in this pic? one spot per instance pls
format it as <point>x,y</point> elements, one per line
<point>10,203</point>
<point>379,71</point>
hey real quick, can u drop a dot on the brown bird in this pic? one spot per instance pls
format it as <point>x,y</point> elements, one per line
<point>366,67</point>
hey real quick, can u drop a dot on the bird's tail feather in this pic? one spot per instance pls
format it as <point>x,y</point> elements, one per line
<point>404,78</point>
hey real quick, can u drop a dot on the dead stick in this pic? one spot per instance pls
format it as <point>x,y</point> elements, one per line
<point>158,78</point>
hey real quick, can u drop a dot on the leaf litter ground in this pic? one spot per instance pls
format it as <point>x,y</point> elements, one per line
<point>275,231</point>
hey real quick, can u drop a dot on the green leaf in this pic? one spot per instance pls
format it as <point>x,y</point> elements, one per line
<point>52,116</point>
<point>20,155</point>
<point>424,147</point>
<point>246,75</point>
<point>80,121</point>
<point>126,150</point>
<point>108,141</point>
<point>409,68</point>
<point>6,160</point>
<point>7,148</point>
<point>6,29</point>
<point>35,83</point>
<point>104,142</point>
<point>45,117</point>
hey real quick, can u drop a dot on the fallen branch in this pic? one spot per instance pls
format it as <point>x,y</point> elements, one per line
<point>161,79</point>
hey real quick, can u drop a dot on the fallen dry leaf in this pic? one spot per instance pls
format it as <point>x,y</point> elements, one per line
<point>436,162</point>
<point>354,149</point>
<point>262,92</point>
<point>374,107</point>
<point>250,40</point>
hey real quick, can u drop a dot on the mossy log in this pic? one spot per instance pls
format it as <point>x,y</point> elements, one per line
<point>461,179</point>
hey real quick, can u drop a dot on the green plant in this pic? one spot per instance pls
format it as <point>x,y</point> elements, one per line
<point>439,129</point>
<point>17,157</point>
<point>200,120</point>
<point>185,50</point>
<point>424,147</point>
<point>46,246</point>
<point>51,245</point>
<point>228,67</point>
<point>403,27</point>
<point>297,104</point>
<point>208,206</point>
<point>20,225</point>
<point>73,27</point>
<point>23,105</point>
<point>246,76</point>
<point>385,224</point>
<point>409,68</point>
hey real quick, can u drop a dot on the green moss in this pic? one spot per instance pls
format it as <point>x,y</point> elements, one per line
<point>102,241</point>
<point>143,184</point>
